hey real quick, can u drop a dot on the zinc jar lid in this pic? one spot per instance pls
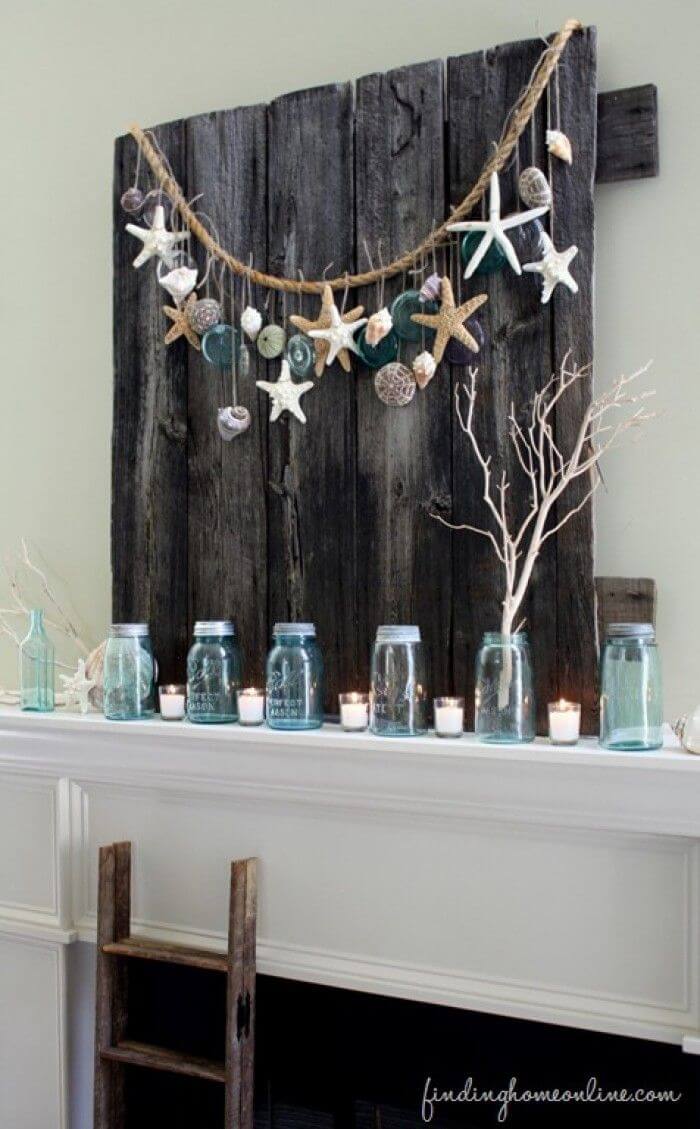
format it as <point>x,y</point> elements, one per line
<point>631,631</point>
<point>128,630</point>
<point>294,629</point>
<point>213,627</point>
<point>398,633</point>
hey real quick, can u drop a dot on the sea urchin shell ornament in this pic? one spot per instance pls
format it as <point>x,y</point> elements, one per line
<point>271,341</point>
<point>378,326</point>
<point>559,145</point>
<point>232,421</point>
<point>534,188</point>
<point>395,385</point>
<point>424,369</point>
<point>204,314</point>
<point>251,322</point>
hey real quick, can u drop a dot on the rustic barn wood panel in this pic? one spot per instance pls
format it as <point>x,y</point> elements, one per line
<point>331,521</point>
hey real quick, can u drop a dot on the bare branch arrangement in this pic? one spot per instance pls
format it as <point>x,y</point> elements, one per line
<point>549,471</point>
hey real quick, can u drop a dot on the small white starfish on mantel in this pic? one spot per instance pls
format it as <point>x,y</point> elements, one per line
<point>157,240</point>
<point>77,688</point>
<point>554,267</point>
<point>284,393</point>
<point>339,335</point>
<point>495,228</point>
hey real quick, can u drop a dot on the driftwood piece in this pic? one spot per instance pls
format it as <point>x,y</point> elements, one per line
<point>628,134</point>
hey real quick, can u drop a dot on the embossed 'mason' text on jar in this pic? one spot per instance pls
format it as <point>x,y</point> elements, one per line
<point>214,673</point>
<point>294,678</point>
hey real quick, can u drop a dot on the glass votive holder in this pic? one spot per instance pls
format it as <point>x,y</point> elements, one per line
<point>354,712</point>
<point>172,702</point>
<point>251,706</point>
<point>564,722</point>
<point>449,717</point>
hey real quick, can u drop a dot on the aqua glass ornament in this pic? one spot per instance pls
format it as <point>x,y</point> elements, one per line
<point>300,354</point>
<point>383,353</point>
<point>401,309</point>
<point>218,344</point>
<point>36,666</point>
<point>494,259</point>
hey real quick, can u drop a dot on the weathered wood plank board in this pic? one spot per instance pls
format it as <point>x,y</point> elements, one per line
<point>624,600</point>
<point>403,454</point>
<point>311,529</point>
<point>628,134</point>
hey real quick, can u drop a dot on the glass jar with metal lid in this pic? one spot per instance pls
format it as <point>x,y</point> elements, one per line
<point>399,682</point>
<point>129,673</point>
<point>631,696</point>
<point>294,678</point>
<point>214,673</point>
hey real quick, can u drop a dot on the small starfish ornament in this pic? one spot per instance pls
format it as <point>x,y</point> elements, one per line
<point>448,321</point>
<point>554,267</point>
<point>179,316</point>
<point>339,335</point>
<point>323,321</point>
<point>77,688</point>
<point>157,241</point>
<point>284,393</point>
<point>495,228</point>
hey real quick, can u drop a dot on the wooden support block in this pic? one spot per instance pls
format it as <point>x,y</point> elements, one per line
<point>628,136</point>
<point>240,1003</point>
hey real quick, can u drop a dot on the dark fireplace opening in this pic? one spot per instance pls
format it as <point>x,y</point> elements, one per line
<point>333,1059</point>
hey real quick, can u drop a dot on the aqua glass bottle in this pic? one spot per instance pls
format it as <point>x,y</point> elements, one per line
<point>504,698</point>
<point>214,673</point>
<point>631,697</point>
<point>36,667</point>
<point>294,678</point>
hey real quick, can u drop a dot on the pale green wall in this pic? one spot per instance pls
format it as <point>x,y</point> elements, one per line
<point>74,74</point>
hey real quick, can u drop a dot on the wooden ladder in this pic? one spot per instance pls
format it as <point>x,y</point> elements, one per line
<point>116,947</point>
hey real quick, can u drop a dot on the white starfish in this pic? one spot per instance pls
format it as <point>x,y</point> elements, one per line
<point>339,334</point>
<point>495,228</point>
<point>156,239</point>
<point>77,687</point>
<point>284,393</point>
<point>554,267</point>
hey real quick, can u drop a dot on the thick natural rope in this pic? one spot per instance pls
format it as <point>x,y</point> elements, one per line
<point>516,123</point>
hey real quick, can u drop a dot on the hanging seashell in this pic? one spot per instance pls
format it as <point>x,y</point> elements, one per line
<point>132,200</point>
<point>251,322</point>
<point>430,290</point>
<point>204,314</point>
<point>179,283</point>
<point>559,145</point>
<point>378,326</point>
<point>534,189</point>
<point>232,421</point>
<point>271,341</point>
<point>424,369</point>
<point>94,670</point>
<point>395,385</point>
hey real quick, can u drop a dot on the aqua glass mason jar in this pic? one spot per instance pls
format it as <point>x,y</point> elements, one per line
<point>504,697</point>
<point>214,673</point>
<point>294,678</point>
<point>129,673</point>
<point>398,700</point>
<point>37,667</point>
<point>631,696</point>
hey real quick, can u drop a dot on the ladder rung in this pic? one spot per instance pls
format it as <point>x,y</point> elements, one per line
<point>160,1058</point>
<point>144,949</point>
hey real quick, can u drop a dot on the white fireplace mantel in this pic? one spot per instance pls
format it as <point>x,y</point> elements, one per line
<point>544,883</point>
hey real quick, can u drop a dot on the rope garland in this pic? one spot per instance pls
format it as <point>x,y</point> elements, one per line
<point>515,125</point>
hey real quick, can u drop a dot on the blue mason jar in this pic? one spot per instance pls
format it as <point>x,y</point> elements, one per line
<point>294,678</point>
<point>129,673</point>
<point>504,697</point>
<point>631,696</point>
<point>399,683</point>
<point>214,673</point>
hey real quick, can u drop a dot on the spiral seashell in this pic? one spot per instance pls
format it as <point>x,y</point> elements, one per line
<point>378,326</point>
<point>179,283</point>
<point>94,670</point>
<point>431,288</point>
<point>271,341</point>
<point>395,385</point>
<point>559,145</point>
<point>251,322</point>
<point>232,421</point>
<point>534,188</point>
<point>132,200</point>
<point>424,369</point>
<point>204,315</point>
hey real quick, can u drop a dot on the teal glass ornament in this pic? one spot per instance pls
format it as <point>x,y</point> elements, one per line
<point>36,667</point>
<point>218,344</point>
<point>631,697</point>
<point>300,354</point>
<point>494,259</point>
<point>401,309</point>
<point>383,353</point>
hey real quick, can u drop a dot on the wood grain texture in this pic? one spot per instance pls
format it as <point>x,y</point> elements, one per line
<point>143,948</point>
<point>114,908</point>
<point>624,600</point>
<point>240,998</point>
<point>404,456</point>
<point>129,1052</point>
<point>628,134</point>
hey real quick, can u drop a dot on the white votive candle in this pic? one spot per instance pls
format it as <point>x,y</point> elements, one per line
<point>449,717</point>
<point>354,711</point>
<point>251,706</point>
<point>172,702</point>
<point>564,722</point>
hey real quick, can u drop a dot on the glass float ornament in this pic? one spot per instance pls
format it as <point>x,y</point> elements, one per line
<point>534,188</point>
<point>395,385</point>
<point>300,354</point>
<point>156,198</point>
<point>204,314</point>
<point>383,353</point>
<point>132,200</point>
<point>232,421</point>
<point>251,322</point>
<point>218,345</point>
<point>271,341</point>
<point>403,307</point>
<point>456,353</point>
<point>494,259</point>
